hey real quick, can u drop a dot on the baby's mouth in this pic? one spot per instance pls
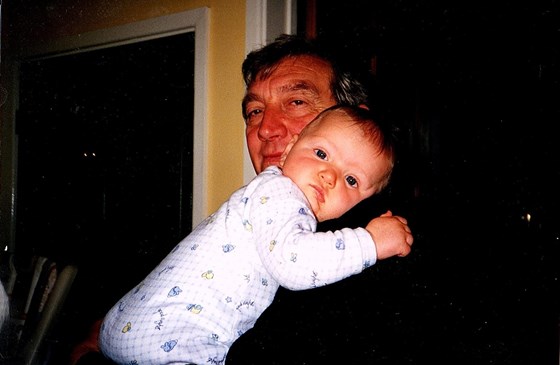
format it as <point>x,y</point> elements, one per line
<point>319,194</point>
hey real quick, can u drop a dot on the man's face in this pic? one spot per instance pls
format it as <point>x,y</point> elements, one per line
<point>282,104</point>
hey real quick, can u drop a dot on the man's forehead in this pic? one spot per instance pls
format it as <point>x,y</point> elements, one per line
<point>285,85</point>
<point>304,65</point>
<point>307,74</point>
<point>295,85</point>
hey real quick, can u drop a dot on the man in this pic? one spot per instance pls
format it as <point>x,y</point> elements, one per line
<point>289,82</point>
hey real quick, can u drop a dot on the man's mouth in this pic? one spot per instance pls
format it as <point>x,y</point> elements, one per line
<point>271,160</point>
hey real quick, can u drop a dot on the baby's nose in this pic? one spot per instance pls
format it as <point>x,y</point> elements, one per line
<point>329,177</point>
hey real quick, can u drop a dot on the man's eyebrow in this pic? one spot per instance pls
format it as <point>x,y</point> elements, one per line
<point>298,85</point>
<point>249,97</point>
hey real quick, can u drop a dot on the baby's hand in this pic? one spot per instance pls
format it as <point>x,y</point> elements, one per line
<point>391,235</point>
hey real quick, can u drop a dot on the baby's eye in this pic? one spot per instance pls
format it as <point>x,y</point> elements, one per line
<point>351,180</point>
<point>321,154</point>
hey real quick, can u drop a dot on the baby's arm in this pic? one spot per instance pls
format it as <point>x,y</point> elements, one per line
<point>391,235</point>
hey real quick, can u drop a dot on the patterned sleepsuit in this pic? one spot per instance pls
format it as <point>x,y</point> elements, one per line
<point>214,285</point>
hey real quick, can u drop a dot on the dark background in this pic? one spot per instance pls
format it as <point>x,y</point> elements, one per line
<point>475,89</point>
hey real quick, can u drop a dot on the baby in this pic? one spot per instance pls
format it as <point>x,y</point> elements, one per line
<point>216,282</point>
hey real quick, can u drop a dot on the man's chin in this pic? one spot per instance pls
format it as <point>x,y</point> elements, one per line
<point>272,162</point>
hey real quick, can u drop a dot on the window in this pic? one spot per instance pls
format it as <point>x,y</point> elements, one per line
<point>111,158</point>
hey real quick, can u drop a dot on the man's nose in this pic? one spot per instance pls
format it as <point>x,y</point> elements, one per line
<point>272,125</point>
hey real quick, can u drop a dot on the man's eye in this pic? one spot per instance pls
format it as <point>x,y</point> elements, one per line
<point>321,154</point>
<point>252,114</point>
<point>351,180</point>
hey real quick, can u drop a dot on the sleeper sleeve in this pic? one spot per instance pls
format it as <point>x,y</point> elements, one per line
<point>292,252</point>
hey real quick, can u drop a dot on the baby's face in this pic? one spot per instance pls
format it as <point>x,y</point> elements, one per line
<point>335,166</point>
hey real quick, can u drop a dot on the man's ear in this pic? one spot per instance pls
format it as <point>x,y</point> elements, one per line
<point>288,148</point>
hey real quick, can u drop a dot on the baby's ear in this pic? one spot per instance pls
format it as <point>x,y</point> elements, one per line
<point>287,149</point>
